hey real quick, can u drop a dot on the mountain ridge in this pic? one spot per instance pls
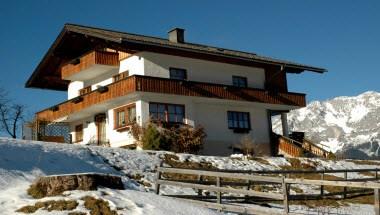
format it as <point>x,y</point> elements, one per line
<point>345,125</point>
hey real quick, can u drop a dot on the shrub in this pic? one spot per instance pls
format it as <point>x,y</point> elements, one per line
<point>153,139</point>
<point>247,145</point>
<point>186,139</point>
<point>163,136</point>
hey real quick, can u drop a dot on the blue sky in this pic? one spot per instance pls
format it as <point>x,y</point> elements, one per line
<point>342,36</point>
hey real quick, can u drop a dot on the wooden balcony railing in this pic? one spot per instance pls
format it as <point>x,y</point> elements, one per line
<point>294,148</point>
<point>168,86</point>
<point>88,60</point>
<point>289,148</point>
<point>314,149</point>
<point>201,89</point>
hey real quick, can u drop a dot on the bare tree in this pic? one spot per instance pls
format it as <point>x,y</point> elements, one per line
<point>11,114</point>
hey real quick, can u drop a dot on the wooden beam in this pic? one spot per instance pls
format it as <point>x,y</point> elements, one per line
<point>241,209</point>
<point>377,201</point>
<point>369,185</point>
<point>275,196</point>
<point>221,174</point>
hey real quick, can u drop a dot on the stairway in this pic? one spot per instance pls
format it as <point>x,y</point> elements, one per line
<point>294,148</point>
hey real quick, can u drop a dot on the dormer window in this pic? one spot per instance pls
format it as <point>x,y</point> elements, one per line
<point>178,73</point>
<point>120,76</point>
<point>239,81</point>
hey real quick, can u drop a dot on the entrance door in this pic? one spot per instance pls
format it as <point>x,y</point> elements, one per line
<point>100,121</point>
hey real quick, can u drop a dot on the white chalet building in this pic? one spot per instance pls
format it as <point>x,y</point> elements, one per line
<point>114,79</point>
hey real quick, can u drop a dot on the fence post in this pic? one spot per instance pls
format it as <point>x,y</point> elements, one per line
<point>200,181</point>
<point>376,194</point>
<point>285,193</point>
<point>345,188</point>
<point>376,174</point>
<point>158,177</point>
<point>248,188</point>
<point>218,194</point>
<point>322,178</point>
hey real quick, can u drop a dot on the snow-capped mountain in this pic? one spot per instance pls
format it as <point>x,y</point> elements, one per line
<point>345,125</point>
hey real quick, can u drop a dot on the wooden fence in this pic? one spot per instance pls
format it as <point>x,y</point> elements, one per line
<point>239,182</point>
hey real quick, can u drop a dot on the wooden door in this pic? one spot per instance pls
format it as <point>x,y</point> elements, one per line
<point>100,121</point>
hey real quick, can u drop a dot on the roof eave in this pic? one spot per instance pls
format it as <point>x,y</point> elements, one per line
<point>29,82</point>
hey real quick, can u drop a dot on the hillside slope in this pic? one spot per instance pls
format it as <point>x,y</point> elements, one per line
<point>346,125</point>
<point>21,162</point>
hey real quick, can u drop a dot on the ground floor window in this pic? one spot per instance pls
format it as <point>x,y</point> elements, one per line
<point>78,133</point>
<point>172,113</point>
<point>238,120</point>
<point>124,116</point>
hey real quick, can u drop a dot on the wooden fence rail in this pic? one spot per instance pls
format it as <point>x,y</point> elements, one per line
<point>244,179</point>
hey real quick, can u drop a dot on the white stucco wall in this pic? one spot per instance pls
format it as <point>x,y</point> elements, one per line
<point>89,130</point>
<point>121,138</point>
<point>220,139</point>
<point>73,89</point>
<point>213,117</point>
<point>102,80</point>
<point>134,64</point>
<point>116,138</point>
<point>210,113</point>
<point>158,65</point>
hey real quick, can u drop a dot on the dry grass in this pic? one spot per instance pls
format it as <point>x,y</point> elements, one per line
<point>97,206</point>
<point>260,160</point>
<point>173,161</point>
<point>139,179</point>
<point>296,164</point>
<point>36,191</point>
<point>296,189</point>
<point>264,188</point>
<point>365,162</point>
<point>77,213</point>
<point>60,205</point>
<point>318,203</point>
<point>371,174</point>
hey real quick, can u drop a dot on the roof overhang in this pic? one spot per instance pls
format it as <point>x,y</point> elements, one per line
<point>75,40</point>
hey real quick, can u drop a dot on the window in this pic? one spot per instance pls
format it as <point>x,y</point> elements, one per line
<point>85,90</point>
<point>178,74</point>
<point>239,81</point>
<point>171,113</point>
<point>120,76</point>
<point>79,133</point>
<point>124,116</point>
<point>238,120</point>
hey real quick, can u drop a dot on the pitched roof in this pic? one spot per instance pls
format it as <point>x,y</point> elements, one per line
<point>123,36</point>
<point>127,39</point>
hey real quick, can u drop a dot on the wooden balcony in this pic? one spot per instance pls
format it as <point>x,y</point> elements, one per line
<point>90,65</point>
<point>168,86</point>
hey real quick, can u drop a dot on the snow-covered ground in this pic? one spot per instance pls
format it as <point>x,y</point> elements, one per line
<point>21,162</point>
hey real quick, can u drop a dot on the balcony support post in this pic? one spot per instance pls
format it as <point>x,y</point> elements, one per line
<point>284,123</point>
